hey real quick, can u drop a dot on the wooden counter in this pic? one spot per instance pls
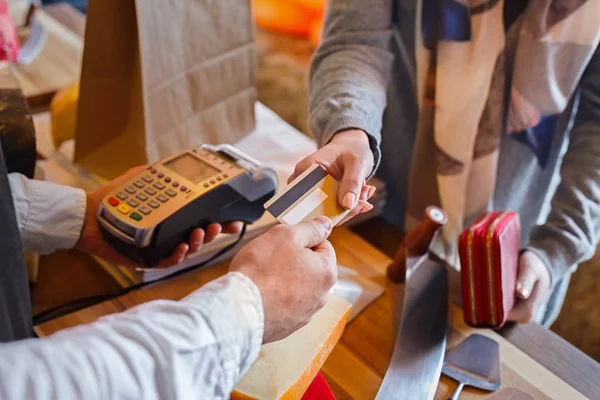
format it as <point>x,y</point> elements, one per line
<point>533,359</point>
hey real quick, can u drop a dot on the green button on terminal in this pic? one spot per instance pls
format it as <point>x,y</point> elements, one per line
<point>135,216</point>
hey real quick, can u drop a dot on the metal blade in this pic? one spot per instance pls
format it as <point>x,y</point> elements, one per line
<point>416,363</point>
<point>475,362</point>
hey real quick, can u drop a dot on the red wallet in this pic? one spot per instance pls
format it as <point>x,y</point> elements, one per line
<point>489,257</point>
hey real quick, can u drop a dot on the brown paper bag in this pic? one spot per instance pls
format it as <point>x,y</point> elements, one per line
<point>160,76</point>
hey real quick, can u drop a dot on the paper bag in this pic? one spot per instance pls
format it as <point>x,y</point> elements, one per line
<point>160,76</point>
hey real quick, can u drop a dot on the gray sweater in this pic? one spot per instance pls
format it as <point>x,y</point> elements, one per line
<point>363,76</point>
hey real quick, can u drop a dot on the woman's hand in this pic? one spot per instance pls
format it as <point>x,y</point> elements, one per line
<point>349,160</point>
<point>91,240</point>
<point>533,283</point>
<point>522,114</point>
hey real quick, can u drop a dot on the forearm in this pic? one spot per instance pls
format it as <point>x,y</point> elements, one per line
<point>351,70</point>
<point>572,231</point>
<point>50,216</point>
<point>197,348</point>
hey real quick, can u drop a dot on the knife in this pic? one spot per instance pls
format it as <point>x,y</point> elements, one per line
<point>416,364</point>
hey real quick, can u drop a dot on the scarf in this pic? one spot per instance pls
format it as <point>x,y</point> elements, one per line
<point>477,81</point>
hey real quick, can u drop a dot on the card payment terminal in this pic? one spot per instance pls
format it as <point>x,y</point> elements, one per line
<point>147,217</point>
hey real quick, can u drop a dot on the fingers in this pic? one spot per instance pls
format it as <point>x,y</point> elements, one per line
<point>212,231</point>
<point>232,227</point>
<point>371,192</point>
<point>533,282</point>
<point>361,207</point>
<point>176,257</point>
<point>135,170</point>
<point>525,281</point>
<point>323,157</point>
<point>131,172</point>
<point>300,168</point>
<point>312,233</point>
<point>524,310</point>
<point>329,268</point>
<point>353,180</point>
<point>364,192</point>
<point>196,240</point>
<point>326,249</point>
<point>199,236</point>
<point>121,179</point>
<point>366,208</point>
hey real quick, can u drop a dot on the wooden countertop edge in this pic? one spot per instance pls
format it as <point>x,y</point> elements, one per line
<point>557,355</point>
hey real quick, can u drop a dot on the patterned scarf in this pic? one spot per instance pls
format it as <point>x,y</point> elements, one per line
<point>478,81</point>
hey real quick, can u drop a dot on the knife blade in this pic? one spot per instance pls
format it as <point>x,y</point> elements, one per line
<point>416,364</point>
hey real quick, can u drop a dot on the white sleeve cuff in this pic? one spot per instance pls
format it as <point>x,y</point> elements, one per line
<point>50,216</point>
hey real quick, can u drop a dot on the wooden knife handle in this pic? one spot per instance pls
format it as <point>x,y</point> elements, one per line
<point>416,242</point>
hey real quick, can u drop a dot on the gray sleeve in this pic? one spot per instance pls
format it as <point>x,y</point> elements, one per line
<point>572,230</point>
<point>351,70</point>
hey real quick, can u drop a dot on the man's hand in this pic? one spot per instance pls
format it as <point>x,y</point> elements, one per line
<point>293,267</point>
<point>91,240</point>
<point>533,283</point>
<point>348,159</point>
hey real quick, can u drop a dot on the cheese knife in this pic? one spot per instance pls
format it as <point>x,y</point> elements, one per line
<point>416,364</point>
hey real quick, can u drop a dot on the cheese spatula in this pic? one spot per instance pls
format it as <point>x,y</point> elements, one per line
<point>474,362</point>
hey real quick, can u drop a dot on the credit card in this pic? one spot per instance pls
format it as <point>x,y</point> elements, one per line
<point>312,194</point>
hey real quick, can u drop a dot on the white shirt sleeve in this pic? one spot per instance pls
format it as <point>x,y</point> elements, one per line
<point>50,216</point>
<point>196,348</point>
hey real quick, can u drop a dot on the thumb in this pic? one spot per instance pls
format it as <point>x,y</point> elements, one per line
<point>130,173</point>
<point>118,181</point>
<point>352,182</point>
<point>313,233</point>
<point>525,281</point>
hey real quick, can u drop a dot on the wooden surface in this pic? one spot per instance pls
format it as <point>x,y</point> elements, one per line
<point>355,368</point>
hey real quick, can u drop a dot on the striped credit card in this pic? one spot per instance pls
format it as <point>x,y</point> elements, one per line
<point>310,195</point>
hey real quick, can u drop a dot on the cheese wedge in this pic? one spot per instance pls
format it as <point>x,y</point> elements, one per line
<point>285,369</point>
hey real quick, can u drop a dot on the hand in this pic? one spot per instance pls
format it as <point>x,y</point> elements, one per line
<point>347,158</point>
<point>533,283</point>
<point>522,114</point>
<point>293,266</point>
<point>91,240</point>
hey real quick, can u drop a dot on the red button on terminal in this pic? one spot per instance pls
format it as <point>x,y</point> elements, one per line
<point>113,202</point>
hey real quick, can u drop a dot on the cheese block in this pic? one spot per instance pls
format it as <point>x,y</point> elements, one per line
<point>286,368</point>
